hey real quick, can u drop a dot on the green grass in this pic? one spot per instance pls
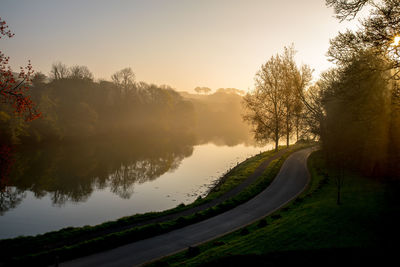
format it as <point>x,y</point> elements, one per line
<point>313,227</point>
<point>239,173</point>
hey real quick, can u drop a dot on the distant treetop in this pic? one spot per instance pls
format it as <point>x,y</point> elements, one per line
<point>204,90</point>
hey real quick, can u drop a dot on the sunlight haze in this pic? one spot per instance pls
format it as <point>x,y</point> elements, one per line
<point>183,44</point>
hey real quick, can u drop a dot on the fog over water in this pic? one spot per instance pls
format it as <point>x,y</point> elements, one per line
<point>93,183</point>
<point>151,161</point>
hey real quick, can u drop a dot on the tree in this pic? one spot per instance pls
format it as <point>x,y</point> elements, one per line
<point>59,71</point>
<point>274,103</point>
<point>314,115</point>
<point>124,80</point>
<point>80,73</point>
<point>295,80</point>
<point>345,9</point>
<point>204,90</point>
<point>14,88</point>
<point>39,79</point>
<point>356,101</point>
<point>14,91</point>
<point>377,34</point>
<point>368,74</point>
<point>265,108</point>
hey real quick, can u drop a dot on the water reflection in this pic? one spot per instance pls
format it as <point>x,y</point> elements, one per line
<point>10,197</point>
<point>72,172</point>
<point>90,183</point>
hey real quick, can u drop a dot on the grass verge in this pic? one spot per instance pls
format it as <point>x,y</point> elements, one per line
<point>312,230</point>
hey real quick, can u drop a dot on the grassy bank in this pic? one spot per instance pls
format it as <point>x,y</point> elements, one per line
<point>312,230</point>
<point>40,249</point>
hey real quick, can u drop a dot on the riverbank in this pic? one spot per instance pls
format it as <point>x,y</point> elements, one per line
<point>313,230</point>
<point>73,242</point>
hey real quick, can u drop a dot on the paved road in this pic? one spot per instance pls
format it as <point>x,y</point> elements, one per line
<point>290,181</point>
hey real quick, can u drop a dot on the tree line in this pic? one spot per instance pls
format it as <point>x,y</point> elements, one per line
<point>361,94</point>
<point>74,106</point>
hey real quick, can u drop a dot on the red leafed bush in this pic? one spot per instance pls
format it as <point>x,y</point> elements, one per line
<point>14,87</point>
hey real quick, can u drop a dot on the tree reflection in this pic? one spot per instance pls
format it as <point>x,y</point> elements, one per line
<point>122,180</point>
<point>72,172</point>
<point>10,197</point>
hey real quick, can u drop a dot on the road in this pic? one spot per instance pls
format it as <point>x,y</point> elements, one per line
<point>291,180</point>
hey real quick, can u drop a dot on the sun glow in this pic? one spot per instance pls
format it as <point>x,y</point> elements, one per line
<point>396,41</point>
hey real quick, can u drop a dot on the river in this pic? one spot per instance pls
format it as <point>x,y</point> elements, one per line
<point>89,183</point>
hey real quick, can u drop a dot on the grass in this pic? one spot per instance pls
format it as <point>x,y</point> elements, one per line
<point>29,249</point>
<point>312,230</point>
<point>239,173</point>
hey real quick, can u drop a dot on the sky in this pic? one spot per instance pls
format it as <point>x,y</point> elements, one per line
<point>180,43</point>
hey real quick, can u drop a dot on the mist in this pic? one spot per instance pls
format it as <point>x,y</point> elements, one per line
<point>74,107</point>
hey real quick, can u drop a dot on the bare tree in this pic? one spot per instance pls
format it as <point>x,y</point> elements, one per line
<point>39,79</point>
<point>59,71</point>
<point>275,106</point>
<point>80,73</point>
<point>124,80</point>
<point>346,9</point>
<point>265,108</point>
<point>289,95</point>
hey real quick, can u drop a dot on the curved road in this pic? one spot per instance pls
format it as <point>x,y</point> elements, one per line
<point>291,180</point>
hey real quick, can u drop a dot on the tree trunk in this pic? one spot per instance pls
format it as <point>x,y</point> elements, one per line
<point>276,130</point>
<point>339,185</point>
<point>287,139</point>
<point>287,131</point>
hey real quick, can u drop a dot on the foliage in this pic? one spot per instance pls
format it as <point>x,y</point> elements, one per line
<point>354,107</point>
<point>377,32</point>
<point>14,87</point>
<point>76,107</point>
<point>358,108</point>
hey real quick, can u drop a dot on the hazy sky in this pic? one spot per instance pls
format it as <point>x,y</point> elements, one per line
<point>182,43</point>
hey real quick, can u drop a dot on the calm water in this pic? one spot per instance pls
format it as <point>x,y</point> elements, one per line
<point>86,184</point>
